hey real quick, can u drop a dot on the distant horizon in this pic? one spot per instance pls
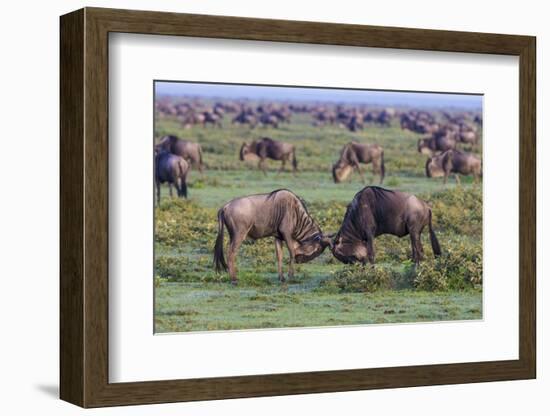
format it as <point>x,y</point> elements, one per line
<point>472,102</point>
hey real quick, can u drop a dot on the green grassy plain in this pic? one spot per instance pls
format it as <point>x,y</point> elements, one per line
<point>189,296</point>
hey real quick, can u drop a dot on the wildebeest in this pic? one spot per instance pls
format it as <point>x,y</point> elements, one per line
<point>436,143</point>
<point>268,148</point>
<point>453,161</point>
<point>267,119</point>
<point>354,153</point>
<point>173,169</point>
<point>190,151</point>
<point>279,214</point>
<point>375,211</point>
<point>211,117</point>
<point>245,118</point>
<point>468,136</point>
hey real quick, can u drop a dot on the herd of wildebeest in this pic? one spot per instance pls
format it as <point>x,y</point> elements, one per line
<point>283,215</point>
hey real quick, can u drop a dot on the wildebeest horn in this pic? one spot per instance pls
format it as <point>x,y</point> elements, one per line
<point>326,239</point>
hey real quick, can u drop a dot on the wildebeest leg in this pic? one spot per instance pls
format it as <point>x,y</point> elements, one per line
<point>360,172</point>
<point>457,179</point>
<point>261,166</point>
<point>291,252</point>
<point>170,188</point>
<point>416,245</point>
<point>375,169</point>
<point>158,193</point>
<point>413,248</point>
<point>370,249</point>
<point>279,254</point>
<point>445,176</point>
<point>282,168</point>
<point>234,244</point>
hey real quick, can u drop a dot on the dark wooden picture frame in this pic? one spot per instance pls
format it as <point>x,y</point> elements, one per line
<point>84,207</point>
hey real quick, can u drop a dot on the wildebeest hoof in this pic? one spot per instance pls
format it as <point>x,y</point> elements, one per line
<point>234,283</point>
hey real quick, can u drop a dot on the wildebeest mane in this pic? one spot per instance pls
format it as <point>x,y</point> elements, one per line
<point>267,139</point>
<point>304,221</point>
<point>356,220</point>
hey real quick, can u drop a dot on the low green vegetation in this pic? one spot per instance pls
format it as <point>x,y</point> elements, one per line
<point>190,296</point>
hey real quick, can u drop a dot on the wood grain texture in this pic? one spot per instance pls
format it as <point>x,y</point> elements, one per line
<point>528,207</point>
<point>84,205</point>
<point>71,100</point>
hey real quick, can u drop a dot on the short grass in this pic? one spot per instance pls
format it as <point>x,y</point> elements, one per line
<point>218,306</point>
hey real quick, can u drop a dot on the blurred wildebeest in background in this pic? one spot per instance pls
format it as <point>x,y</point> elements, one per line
<point>267,119</point>
<point>468,135</point>
<point>279,214</point>
<point>246,116</point>
<point>212,117</point>
<point>172,169</point>
<point>190,151</point>
<point>440,142</point>
<point>375,211</point>
<point>419,121</point>
<point>267,148</point>
<point>453,161</point>
<point>354,153</point>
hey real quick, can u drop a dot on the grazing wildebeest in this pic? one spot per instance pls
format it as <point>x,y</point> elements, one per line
<point>272,149</point>
<point>212,118</point>
<point>267,119</point>
<point>190,151</point>
<point>453,161</point>
<point>173,169</point>
<point>354,123</point>
<point>437,143</point>
<point>279,214</point>
<point>245,118</point>
<point>352,154</point>
<point>375,211</point>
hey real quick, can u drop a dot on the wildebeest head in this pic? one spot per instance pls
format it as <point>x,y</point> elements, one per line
<point>424,147</point>
<point>247,152</point>
<point>245,149</point>
<point>341,171</point>
<point>348,245</point>
<point>434,167</point>
<point>349,250</point>
<point>308,249</point>
<point>165,144</point>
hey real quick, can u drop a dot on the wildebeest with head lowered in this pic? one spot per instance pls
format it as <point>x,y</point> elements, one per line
<point>354,153</point>
<point>279,214</point>
<point>267,148</point>
<point>172,169</point>
<point>453,161</point>
<point>375,211</point>
<point>190,151</point>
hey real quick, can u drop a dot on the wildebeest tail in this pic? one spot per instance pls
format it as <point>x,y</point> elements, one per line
<point>433,239</point>
<point>382,168</point>
<point>219,259</point>
<point>294,161</point>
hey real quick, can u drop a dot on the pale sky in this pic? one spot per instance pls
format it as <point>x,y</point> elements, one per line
<point>372,97</point>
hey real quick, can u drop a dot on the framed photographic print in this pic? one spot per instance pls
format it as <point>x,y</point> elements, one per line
<point>256,207</point>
